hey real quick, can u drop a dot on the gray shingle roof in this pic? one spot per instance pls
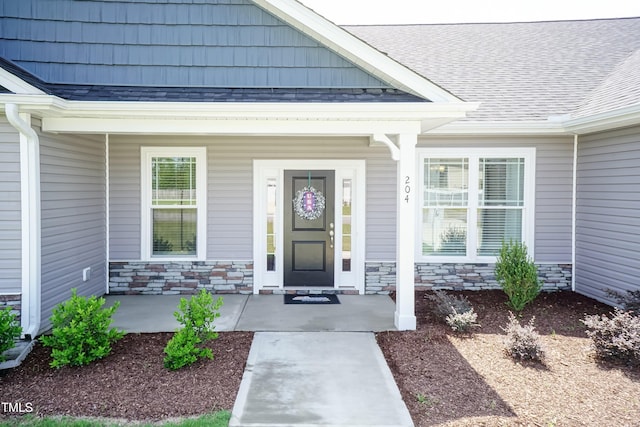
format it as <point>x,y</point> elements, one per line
<point>520,71</point>
<point>207,94</point>
<point>620,89</point>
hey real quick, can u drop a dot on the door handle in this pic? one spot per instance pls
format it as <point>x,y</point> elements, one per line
<point>331,234</point>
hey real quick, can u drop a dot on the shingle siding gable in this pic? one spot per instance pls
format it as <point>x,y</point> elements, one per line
<point>230,43</point>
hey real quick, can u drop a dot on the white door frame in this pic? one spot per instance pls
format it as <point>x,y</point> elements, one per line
<point>273,170</point>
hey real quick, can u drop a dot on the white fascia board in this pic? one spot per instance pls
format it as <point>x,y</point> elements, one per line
<point>501,128</point>
<point>34,103</point>
<point>355,50</point>
<point>49,105</point>
<point>621,117</point>
<point>271,110</point>
<point>252,118</point>
<point>59,115</point>
<point>16,85</point>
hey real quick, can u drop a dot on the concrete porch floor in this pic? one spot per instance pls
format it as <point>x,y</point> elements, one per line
<point>262,313</point>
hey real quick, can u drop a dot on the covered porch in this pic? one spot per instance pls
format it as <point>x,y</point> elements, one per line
<point>259,313</point>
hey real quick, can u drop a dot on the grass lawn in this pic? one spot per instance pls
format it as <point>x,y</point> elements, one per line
<point>217,419</point>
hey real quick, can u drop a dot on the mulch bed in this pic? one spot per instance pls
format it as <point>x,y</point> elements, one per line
<point>449,379</point>
<point>131,383</point>
<point>446,379</point>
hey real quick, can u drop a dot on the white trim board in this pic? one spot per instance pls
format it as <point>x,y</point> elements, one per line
<point>264,170</point>
<point>528,225</point>
<point>146,232</point>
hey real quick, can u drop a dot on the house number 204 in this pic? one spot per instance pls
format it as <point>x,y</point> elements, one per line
<point>407,188</point>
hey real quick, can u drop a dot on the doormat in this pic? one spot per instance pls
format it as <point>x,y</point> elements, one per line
<point>311,299</point>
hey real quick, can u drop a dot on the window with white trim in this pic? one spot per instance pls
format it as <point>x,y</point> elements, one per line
<point>173,202</point>
<point>473,200</point>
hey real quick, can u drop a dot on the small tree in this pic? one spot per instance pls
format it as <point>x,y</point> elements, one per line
<point>517,275</point>
<point>9,330</point>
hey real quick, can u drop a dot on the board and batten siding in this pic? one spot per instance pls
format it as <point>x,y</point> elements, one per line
<point>608,219</point>
<point>230,192</point>
<point>73,203</point>
<point>10,210</point>
<point>554,188</point>
<point>224,43</point>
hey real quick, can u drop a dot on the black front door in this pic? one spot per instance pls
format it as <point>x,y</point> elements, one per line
<point>309,229</point>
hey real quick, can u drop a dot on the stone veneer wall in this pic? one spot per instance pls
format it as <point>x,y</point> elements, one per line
<point>381,276</point>
<point>232,277</point>
<point>180,277</point>
<point>13,301</point>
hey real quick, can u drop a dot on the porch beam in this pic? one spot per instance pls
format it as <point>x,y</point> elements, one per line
<point>227,126</point>
<point>405,318</point>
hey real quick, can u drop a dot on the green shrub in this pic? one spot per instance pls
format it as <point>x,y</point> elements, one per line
<point>517,275</point>
<point>616,337</point>
<point>10,330</point>
<point>196,316</point>
<point>523,342</point>
<point>81,332</point>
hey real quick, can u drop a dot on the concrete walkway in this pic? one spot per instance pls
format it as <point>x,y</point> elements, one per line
<point>317,379</point>
<point>309,365</point>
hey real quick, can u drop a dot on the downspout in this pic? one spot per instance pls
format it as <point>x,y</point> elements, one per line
<point>108,220</point>
<point>574,211</point>
<point>30,207</point>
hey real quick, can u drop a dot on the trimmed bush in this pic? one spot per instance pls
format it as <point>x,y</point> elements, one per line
<point>10,330</point>
<point>523,342</point>
<point>456,310</point>
<point>446,304</point>
<point>616,337</point>
<point>196,316</point>
<point>462,322</point>
<point>517,275</point>
<point>81,332</point>
<point>630,301</point>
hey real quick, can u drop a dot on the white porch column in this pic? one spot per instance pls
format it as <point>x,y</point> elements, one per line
<point>405,317</point>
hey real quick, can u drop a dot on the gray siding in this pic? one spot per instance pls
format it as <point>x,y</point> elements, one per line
<point>73,217</point>
<point>124,200</point>
<point>223,43</point>
<point>608,223</point>
<point>230,193</point>
<point>230,190</point>
<point>554,187</point>
<point>10,212</point>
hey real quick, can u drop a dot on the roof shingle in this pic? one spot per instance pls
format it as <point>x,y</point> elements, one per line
<point>518,71</point>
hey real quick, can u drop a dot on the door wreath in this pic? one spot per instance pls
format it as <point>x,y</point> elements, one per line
<point>309,203</point>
